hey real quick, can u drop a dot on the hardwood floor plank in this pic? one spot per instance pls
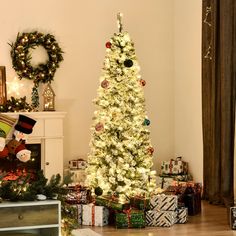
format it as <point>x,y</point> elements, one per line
<point>213,221</point>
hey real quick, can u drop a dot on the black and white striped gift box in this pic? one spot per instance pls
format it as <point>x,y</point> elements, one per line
<point>182,215</point>
<point>161,218</point>
<point>164,202</point>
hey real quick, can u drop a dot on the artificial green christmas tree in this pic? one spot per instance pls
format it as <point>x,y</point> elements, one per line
<point>120,159</point>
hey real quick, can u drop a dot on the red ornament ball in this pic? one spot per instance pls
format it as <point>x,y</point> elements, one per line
<point>108,44</point>
<point>142,82</point>
<point>151,150</point>
<point>99,126</point>
<point>105,84</point>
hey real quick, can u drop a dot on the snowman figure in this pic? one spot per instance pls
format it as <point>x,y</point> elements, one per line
<point>16,146</point>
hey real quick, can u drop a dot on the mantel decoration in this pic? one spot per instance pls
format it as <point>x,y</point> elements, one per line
<point>3,91</point>
<point>21,59</point>
<point>16,105</point>
<point>48,98</point>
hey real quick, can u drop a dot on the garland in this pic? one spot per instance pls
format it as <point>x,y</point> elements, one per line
<point>16,105</point>
<point>21,58</point>
<point>26,187</point>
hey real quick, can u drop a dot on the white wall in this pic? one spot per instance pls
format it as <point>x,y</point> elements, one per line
<point>187,70</point>
<point>164,51</point>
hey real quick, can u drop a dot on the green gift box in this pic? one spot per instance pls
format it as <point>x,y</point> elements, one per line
<point>111,202</point>
<point>130,219</point>
<point>140,203</point>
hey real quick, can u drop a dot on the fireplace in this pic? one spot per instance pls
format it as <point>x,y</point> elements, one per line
<point>35,163</point>
<point>45,143</point>
<point>14,167</point>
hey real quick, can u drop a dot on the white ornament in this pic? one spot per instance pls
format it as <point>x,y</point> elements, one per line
<point>41,197</point>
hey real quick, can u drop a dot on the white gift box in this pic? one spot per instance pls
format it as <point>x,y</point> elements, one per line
<point>164,202</point>
<point>95,215</point>
<point>161,218</point>
<point>164,182</point>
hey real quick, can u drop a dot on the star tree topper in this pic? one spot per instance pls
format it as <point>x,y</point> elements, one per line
<point>119,23</point>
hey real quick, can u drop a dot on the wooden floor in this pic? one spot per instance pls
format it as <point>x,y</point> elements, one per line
<point>211,222</point>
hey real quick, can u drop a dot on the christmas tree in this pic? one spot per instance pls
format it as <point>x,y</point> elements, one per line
<point>120,159</point>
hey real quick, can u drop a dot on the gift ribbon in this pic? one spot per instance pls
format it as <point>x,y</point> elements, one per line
<point>128,214</point>
<point>171,166</point>
<point>93,215</point>
<point>162,182</point>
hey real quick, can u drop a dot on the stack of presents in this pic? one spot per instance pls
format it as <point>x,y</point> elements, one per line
<point>164,207</point>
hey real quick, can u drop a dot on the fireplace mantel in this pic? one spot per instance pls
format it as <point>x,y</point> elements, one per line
<point>48,131</point>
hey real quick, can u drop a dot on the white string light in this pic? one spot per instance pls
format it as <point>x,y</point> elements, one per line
<point>14,87</point>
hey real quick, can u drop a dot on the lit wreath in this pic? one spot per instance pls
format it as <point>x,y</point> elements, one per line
<point>21,58</point>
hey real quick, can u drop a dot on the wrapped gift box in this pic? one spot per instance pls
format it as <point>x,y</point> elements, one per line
<point>161,218</point>
<point>78,195</point>
<point>233,218</point>
<point>192,200</point>
<point>78,164</point>
<point>140,203</point>
<point>188,196</point>
<point>95,215</point>
<point>175,190</point>
<point>179,191</point>
<point>78,176</point>
<point>130,219</point>
<point>182,179</point>
<point>163,202</point>
<point>177,167</point>
<point>112,217</point>
<point>182,215</point>
<point>164,182</point>
<point>111,202</point>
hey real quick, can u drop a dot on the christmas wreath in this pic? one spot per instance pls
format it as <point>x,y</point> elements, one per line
<point>21,57</point>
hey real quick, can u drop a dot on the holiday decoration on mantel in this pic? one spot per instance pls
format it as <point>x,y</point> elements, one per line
<point>120,159</point>
<point>48,98</point>
<point>16,105</point>
<point>3,90</point>
<point>21,59</point>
